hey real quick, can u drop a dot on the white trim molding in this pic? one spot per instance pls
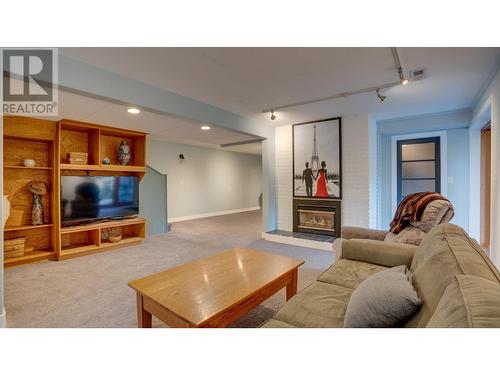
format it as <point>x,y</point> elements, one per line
<point>211,214</point>
<point>394,163</point>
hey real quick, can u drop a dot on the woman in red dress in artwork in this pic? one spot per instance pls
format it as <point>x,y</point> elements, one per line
<point>321,190</point>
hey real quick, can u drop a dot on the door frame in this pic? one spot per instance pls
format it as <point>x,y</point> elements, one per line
<point>443,145</point>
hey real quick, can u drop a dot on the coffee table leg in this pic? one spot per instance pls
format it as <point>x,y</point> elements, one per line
<point>291,288</point>
<point>143,316</point>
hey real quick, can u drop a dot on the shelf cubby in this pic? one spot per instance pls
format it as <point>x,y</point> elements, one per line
<point>84,238</point>
<point>16,150</point>
<point>76,137</point>
<point>110,141</point>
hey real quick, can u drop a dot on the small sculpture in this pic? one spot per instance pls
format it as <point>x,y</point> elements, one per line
<point>106,161</point>
<point>124,154</point>
<point>37,188</point>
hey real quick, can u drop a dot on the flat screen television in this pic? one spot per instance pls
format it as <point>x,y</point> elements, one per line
<point>90,198</point>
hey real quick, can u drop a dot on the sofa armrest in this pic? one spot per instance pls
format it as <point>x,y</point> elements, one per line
<point>376,252</point>
<point>357,232</point>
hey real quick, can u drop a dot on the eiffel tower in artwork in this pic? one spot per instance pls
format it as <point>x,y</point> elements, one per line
<point>314,157</point>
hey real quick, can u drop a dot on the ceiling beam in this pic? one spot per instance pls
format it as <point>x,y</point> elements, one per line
<point>258,140</point>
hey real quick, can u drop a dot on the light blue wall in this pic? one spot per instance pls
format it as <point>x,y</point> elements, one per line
<point>153,201</point>
<point>207,180</point>
<point>455,124</point>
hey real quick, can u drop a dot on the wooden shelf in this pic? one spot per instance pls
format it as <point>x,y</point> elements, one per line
<point>81,250</point>
<point>26,227</point>
<point>124,241</point>
<point>78,249</point>
<point>23,167</point>
<point>81,167</point>
<point>123,168</point>
<point>104,168</point>
<point>103,224</point>
<point>30,256</point>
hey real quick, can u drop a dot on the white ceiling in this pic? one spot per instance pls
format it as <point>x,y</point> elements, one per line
<point>160,126</point>
<point>247,80</point>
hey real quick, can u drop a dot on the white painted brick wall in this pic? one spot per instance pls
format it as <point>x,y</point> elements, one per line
<point>355,174</point>
<point>284,175</point>
<point>358,183</point>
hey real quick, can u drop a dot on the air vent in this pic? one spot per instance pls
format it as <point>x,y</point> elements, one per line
<point>418,74</point>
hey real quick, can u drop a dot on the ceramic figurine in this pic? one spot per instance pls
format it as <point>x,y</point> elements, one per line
<point>124,154</point>
<point>106,161</point>
<point>37,188</point>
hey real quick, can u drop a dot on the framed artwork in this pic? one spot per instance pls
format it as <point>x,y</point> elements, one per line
<point>317,159</point>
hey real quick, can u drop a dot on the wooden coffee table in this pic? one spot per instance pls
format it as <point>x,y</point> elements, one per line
<point>214,291</point>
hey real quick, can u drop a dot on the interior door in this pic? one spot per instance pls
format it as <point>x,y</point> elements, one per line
<point>418,166</point>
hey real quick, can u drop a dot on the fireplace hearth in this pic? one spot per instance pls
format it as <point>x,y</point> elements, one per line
<point>316,216</point>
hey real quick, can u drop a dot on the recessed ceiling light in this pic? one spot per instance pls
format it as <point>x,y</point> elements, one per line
<point>205,127</point>
<point>404,81</point>
<point>134,111</point>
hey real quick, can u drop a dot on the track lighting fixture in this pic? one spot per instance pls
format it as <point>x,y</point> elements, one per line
<point>380,96</point>
<point>402,81</point>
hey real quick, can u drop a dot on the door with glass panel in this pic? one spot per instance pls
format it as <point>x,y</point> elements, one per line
<point>419,167</point>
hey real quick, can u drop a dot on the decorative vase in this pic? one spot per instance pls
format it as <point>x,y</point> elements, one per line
<point>106,161</point>
<point>37,188</point>
<point>37,210</point>
<point>124,154</point>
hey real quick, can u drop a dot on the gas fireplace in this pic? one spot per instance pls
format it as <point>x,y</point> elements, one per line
<point>316,216</point>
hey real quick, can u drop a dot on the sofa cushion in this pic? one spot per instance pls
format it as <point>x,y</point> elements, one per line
<point>445,252</point>
<point>349,273</point>
<point>318,305</point>
<point>468,302</point>
<point>273,323</point>
<point>385,299</point>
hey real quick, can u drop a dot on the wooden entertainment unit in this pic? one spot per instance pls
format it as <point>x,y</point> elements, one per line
<point>48,143</point>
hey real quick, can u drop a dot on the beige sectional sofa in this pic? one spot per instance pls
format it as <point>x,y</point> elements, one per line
<point>455,279</point>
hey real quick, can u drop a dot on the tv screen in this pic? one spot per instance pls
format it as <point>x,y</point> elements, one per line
<point>90,198</point>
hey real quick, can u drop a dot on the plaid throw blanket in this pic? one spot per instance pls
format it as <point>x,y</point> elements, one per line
<point>411,209</point>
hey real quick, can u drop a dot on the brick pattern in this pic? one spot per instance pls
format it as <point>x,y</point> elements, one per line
<point>284,175</point>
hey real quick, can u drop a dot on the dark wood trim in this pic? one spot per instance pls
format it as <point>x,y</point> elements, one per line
<point>340,159</point>
<point>437,160</point>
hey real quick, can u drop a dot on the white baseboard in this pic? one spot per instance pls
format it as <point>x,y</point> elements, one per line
<point>210,214</point>
<point>328,246</point>
<point>3,320</point>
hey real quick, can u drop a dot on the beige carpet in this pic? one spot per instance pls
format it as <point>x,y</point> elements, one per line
<point>92,291</point>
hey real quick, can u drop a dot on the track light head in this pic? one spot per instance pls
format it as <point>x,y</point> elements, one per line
<point>380,96</point>
<point>273,116</point>
<point>402,78</point>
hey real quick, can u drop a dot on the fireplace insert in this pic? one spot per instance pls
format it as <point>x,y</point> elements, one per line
<point>316,216</point>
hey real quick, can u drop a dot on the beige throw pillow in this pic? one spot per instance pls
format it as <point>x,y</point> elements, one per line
<point>385,299</point>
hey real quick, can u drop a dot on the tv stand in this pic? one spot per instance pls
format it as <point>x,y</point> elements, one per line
<point>87,238</point>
